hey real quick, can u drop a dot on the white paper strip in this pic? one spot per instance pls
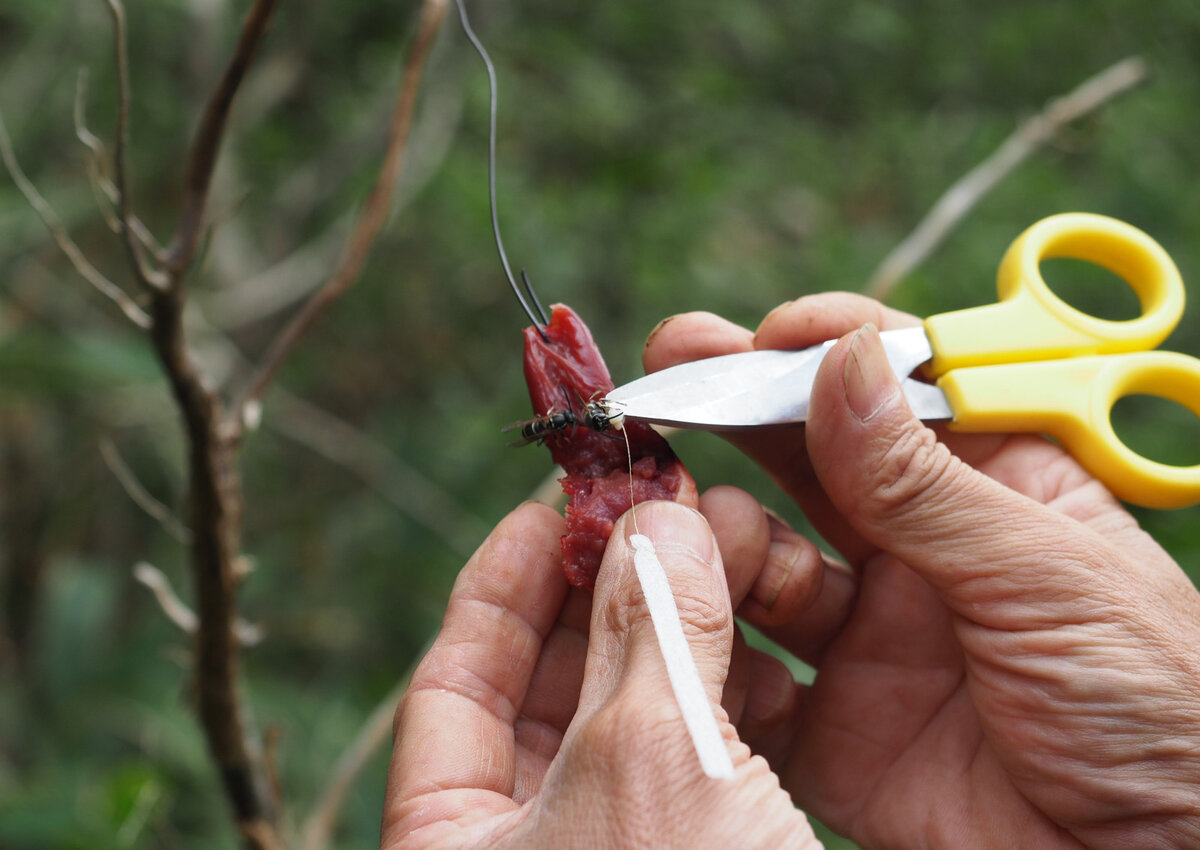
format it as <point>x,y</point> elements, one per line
<point>681,667</point>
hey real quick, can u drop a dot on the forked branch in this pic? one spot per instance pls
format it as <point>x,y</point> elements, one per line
<point>65,243</point>
<point>212,430</point>
<point>99,171</point>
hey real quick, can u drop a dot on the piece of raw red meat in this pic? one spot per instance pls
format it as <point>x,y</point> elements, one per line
<point>565,369</point>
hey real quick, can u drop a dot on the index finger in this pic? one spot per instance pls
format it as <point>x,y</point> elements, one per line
<point>454,757</point>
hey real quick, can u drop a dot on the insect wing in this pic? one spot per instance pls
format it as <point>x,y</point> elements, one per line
<point>526,427</point>
<point>540,428</point>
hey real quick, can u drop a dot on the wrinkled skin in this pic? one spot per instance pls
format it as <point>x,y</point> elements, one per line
<point>1004,659</point>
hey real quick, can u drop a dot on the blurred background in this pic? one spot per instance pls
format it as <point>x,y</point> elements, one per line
<point>653,159</point>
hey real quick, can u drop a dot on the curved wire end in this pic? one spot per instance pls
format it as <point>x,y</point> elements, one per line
<point>537,304</point>
<point>538,318</point>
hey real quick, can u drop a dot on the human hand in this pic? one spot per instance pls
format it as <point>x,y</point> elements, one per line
<point>542,716</point>
<point>1009,661</point>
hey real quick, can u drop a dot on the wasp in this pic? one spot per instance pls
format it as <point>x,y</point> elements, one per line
<point>541,428</point>
<point>603,415</point>
<point>597,415</point>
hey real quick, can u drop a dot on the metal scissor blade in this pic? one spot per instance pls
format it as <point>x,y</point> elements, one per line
<point>926,400</point>
<point>756,388</point>
<point>733,391</point>
<point>908,348</point>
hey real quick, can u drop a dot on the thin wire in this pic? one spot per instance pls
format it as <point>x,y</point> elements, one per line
<point>533,297</point>
<point>491,72</point>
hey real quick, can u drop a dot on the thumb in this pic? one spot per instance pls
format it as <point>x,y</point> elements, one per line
<point>982,545</point>
<point>625,659</point>
<point>627,756</point>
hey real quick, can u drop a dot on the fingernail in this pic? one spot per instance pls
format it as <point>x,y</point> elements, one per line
<point>667,523</point>
<point>654,332</point>
<point>775,311</point>
<point>770,317</point>
<point>867,375</point>
<point>781,559</point>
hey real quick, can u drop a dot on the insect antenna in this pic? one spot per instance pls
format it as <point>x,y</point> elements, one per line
<point>538,318</point>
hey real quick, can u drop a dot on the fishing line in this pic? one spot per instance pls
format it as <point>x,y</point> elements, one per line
<point>632,503</point>
<point>684,676</point>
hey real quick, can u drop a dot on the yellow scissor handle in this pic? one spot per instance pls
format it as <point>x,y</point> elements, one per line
<point>1032,323</point>
<point>1072,400</point>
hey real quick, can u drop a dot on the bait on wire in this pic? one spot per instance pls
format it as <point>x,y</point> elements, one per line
<point>596,415</point>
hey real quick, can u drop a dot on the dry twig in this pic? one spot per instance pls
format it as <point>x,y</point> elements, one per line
<point>206,144</point>
<point>148,277</point>
<point>170,603</point>
<point>406,488</point>
<point>65,243</point>
<point>369,220</point>
<point>180,614</point>
<point>99,167</point>
<point>212,430</point>
<point>960,199</point>
<point>374,732</point>
<point>215,489</point>
<point>140,495</point>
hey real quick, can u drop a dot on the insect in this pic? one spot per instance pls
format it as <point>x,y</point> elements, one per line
<point>596,415</point>
<point>603,416</point>
<point>541,428</point>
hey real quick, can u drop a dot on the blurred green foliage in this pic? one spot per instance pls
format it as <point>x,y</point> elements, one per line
<point>654,158</point>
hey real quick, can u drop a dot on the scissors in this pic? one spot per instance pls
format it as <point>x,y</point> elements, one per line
<point>1028,363</point>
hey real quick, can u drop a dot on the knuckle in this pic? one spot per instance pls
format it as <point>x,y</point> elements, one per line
<point>790,580</point>
<point>701,596</point>
<point>912,466</point>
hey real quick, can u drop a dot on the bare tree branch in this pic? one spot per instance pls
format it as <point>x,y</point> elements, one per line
<point>170,603</point>
<point>414,495</point>
<point>103,188</point>
<point>149,278</point>
<point>215,510</point>
<point>215,490</point>
<point>140,495</point>
<point>180,614</point>
<point>206,144</point>
<point>213,431</point>
<point>294,277</point>
<point>960,199</point>
<point>99,167</point>
<point>67,245</point>
<point>370,219</point>
<point>371,736</point>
